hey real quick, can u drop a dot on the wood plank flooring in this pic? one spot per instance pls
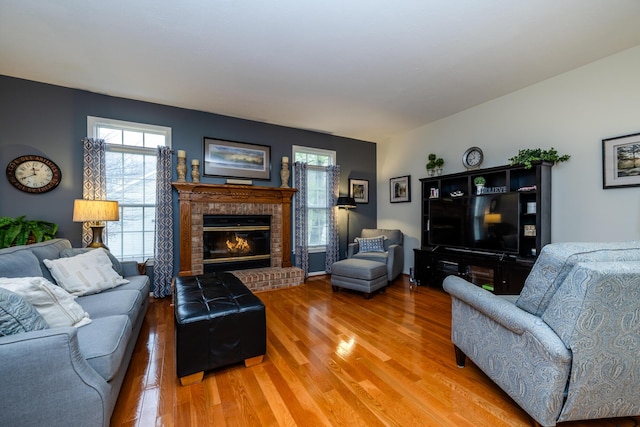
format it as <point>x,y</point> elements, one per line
<point>333,359</point>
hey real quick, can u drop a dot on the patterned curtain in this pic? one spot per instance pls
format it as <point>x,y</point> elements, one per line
<point>163,249</point>
<point>333,239</point>
<point>301,244</point>
<point>94,186</point>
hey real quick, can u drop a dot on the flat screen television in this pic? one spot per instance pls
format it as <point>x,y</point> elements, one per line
<point>488,222</point>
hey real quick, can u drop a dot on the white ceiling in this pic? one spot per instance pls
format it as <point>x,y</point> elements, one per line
<point>364,69</point>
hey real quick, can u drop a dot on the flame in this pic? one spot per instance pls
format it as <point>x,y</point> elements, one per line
<point>240,244</point>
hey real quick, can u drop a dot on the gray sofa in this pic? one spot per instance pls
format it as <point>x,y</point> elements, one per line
<point>392,254</point>
<point>66,376</point>
<point>567,347</point>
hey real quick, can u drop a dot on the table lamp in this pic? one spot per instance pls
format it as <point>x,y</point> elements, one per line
<point>96,212</point>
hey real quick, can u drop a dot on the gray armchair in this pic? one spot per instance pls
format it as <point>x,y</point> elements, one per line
<point>567,348</point>
<point>392,253</point>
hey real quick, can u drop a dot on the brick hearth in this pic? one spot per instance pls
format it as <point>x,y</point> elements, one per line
<point>265,279</point>
<point>197,200</point>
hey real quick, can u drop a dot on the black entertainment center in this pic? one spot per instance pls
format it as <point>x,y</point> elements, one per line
<point>489,236</point>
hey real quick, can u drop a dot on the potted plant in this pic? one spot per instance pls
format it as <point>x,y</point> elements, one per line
<point>20,231</point>
<point>431,165</point>
<point>439,163</point>
<point>479,182</point>
<point>529,156</point>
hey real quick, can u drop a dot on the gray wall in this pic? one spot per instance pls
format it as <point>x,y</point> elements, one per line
<point>51,121</point>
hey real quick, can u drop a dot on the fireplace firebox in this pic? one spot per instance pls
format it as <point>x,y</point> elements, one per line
<point>236,242</point>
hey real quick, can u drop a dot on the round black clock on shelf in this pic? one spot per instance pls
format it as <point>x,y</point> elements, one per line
<point>472,158</point>
<point>33,174</point>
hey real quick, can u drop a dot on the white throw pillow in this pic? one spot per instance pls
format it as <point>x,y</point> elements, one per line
<point>85,274</point>
<point>54,304</point>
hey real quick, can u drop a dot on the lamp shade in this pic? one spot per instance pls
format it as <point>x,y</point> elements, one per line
<point>346,202</point>
<point>95,210</point>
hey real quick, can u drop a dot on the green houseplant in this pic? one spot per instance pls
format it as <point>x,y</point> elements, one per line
<point>431,164</point>
<point>20,231</point>
<point>529,156</point>
<point>439,163</point>
<point>479,182</point>
<point>434,163</point>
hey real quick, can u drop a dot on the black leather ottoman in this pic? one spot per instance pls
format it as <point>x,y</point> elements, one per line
<point>219,322</point>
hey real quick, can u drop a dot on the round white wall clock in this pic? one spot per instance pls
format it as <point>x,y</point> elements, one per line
<point>472,158</point>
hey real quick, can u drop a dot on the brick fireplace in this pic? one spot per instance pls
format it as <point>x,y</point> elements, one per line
<point>198,200</point>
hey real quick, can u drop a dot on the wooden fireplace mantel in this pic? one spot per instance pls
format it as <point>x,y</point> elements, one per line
<point>190,194</point>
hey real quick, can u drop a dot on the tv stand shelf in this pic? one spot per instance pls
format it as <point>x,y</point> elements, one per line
<point>501,275</point>
<point>465,232</point>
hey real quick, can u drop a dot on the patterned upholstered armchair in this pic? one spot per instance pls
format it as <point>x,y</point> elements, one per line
<point>568,348</point>
<point>380,245</point>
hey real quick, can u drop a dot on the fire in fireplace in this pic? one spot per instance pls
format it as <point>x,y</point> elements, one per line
<point>239,245</point>
<point>236,242</point>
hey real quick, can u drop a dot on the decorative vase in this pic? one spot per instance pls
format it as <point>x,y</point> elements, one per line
<point>284,175</point>
<point>439,171</point>
<point>195,173</point>
<point>479,188</point>
<point>431,172</point>
<point>181,169</point>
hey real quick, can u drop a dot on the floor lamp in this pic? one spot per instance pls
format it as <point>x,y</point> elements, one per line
<point>346,203</point>
<point>96,212</point>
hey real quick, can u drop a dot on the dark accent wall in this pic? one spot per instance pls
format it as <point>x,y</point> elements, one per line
<point>48,120</point>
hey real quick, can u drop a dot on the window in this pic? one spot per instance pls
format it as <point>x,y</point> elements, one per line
<point>317,208</point>
<point>131,180</point>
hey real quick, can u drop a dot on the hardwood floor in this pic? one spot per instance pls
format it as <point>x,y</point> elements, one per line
<point>332,359</point>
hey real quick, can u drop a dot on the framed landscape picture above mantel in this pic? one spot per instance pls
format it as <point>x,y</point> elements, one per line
<point>359,190</point>
<point>236,159</point>
<point>621,161</point>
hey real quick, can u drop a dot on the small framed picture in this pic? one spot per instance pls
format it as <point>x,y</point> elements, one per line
<point>621,161</point>
<point>530,230</point>
<point>359,190</point>
<point>400,189</point>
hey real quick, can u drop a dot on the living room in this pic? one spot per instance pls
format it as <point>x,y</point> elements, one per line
<point>572,110</point>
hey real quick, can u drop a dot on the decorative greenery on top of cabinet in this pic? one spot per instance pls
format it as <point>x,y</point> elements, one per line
<point>531,155</point>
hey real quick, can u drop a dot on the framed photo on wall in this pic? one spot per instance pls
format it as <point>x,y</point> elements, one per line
<point>359,190</point>
<point>400,189</point>
<point>236,159</point>
<point>621,161</point>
